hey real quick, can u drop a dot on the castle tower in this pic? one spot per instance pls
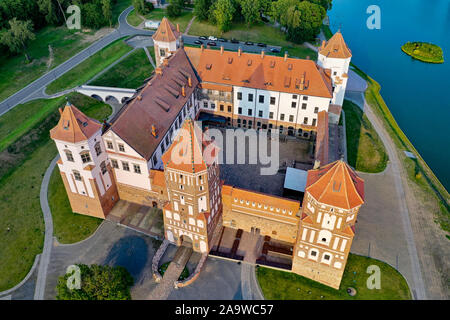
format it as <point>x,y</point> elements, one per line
<point>333,196</point>
<point>166,40</point>
<point>83,163</point>
<point>192,178</point>
<point>335,55</point>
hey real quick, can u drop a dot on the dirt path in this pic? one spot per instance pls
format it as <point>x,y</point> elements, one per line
<point>189,25</point>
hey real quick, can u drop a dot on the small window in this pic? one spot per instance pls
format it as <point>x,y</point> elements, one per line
<point>272,100</point>
<point>249,112</point>
<point>103,167</point>
<point>291,118</point>
<point>327,257</point>
<point>261,99</point>
<point>270,115</point>
<point>69,155</point>
<point>85,157</point>
<point>109,145</point>
<point>221,107</point>
<point>239,110</point>
<point>314,122</point>
<point>305,120</point>
<point>125,166</point>
<point>137,168</point>
<point>260,113</point>
<point>239,95</point>
<point>294,96</point>
<point>162,52</point>
<point>313,253</point>
<point>303,106</point>
<point>229,108</point>
<point>250,97</point>
<point>282,116</point>
<point>305,98</point>
<point>213,105</point>
<point>98,149</point>
<point>77,175</point>
<point>114,164</point>
<point>121,147</point>
<point>294,104</point>
<point>205,104</point>
<point>316,109</point>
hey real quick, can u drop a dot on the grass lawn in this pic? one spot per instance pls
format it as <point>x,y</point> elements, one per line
<point>184,274</point>
<point>15,73</point>
<point>117,9</point>
<point>282,285</point>
<point>423,51</point>
<point>21,221</point>
<point>128,73</point>
<point>89,67</point>
<point>157,14</point>
<point>365,151</point>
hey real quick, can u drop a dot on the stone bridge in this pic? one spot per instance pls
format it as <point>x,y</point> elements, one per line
<point>106,93</point>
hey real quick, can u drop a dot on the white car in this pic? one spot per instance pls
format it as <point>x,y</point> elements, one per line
<point>212,38</point>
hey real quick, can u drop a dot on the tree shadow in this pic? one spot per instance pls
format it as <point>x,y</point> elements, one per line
<point>130,252</point>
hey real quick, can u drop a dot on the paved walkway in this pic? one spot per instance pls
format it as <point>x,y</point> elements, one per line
<point>173,272</point>
<point>249,283</point>
<point>149,56</point>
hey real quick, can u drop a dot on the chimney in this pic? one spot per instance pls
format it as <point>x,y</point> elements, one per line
<point>159,71</point>
<point>262,54</point>
<point>154,131</point>
<point>178,27</point>
<point>285,55</point>
<point>189,81</point>
<point>166,62</point>
<point>60,111</point>
<point>316,164</point>
<point>202,47</point>
<point>323,44</point>
<point>183,91</point>
<point>221,49</point>
<point>239,52</point>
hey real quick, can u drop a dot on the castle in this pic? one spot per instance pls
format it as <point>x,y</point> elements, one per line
<point>131,157</point>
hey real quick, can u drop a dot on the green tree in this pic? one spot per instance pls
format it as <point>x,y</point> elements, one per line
<point>142,6</point>
<point>174,8</point>
<point>250,10</point>
<point>107,11</point>
<point>49,9</point>
<point>92,15</point>
<point>223,14</point>
<point>97,283</point>
<point>201,9</point>
<point>18,35</point>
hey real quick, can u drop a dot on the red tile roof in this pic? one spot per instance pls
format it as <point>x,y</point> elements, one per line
<point>166,31</point>
<point>336,184</point>
<point>262,72</point>
<point>335,47</point>
<point>74,126</point>
<point>322,138</point>
<point>157,104</point>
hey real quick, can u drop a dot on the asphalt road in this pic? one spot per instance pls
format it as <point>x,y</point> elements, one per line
<point>35,89</point>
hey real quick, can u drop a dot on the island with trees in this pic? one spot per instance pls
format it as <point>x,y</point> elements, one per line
<point>426,52</point>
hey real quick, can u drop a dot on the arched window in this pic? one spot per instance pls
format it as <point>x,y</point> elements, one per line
<point>85,157</point>
<point>69,155</point>
<point>77,175</point>
<point>98,148</point>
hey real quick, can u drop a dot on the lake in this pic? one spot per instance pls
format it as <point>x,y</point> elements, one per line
<point>417,93</point>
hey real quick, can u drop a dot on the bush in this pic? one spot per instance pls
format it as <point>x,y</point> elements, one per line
<point>142,6</point>
<point>173,10</point>
<point>97,283</point>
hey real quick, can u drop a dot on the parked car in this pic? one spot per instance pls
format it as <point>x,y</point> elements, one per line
<point>234,40</point>
<point>198,42</point>
<point>262,45</point>
<point>223,40</point>
<point>212,38</point>
<point>275,50</point>
<point>249,43</point>
<point>202,38</point>
<point>211,43</point>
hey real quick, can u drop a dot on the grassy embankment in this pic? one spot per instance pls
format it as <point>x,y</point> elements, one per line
<point>26,152</point>
<point>423,51</point>
<point>128,73</point>
<point>89,67</point>
<point>135,19</point>
<point>365,150</point>
<point>16,73</point>
<point>282,285</point>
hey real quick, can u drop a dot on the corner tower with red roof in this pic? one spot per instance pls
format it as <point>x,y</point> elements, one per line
<point>83,163</point>
<point>336,56</point>
<point>166,40</point>
<point>333,195</point>
<point>195,191</point>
